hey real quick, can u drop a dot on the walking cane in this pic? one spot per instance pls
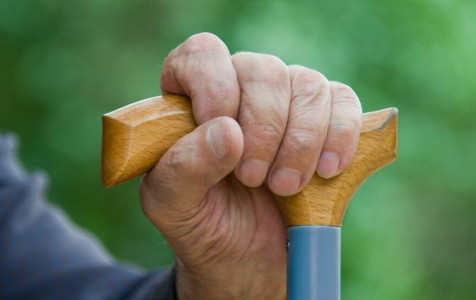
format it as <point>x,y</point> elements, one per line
<point>137,135</point>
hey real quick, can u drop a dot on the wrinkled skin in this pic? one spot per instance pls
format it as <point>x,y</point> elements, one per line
<point>259,120</point>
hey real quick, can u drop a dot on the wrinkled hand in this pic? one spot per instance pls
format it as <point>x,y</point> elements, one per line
<point>259,120</point>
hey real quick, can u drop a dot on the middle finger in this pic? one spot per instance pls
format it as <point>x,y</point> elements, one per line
<point>263,114</point>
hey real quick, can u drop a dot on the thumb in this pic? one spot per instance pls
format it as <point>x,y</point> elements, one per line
<point>174,189</point>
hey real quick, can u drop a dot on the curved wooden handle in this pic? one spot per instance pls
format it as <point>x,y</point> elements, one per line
<point>137,135</point>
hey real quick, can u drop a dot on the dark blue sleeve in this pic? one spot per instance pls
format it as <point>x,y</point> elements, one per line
<point>44,256</point>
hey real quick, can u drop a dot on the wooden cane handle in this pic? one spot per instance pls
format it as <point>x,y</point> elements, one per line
<point>137,135</point>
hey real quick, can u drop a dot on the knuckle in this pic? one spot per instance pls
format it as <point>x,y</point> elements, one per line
<point>310,83</point>
<point>272,61</point>
<point>266,135</point>
<point>178,158</point>
<point>221,88</point>
<point>345,131</point>
<point>262,67</point>
<point>185,161</point>
<point>274,69</point>
<point>203,42</point>
<point>301,140</point>
<point>342,93</point>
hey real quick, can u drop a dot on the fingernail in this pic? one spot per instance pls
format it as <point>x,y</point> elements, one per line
<point>285,181</point>
<point>218,140</point>
<point>328,164</point>
<point>253,172</point>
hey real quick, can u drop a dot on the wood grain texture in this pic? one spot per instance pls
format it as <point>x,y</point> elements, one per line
<point>137,135</point>
<point>324,201</point>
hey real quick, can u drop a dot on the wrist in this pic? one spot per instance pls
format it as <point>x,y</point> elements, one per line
<point>215,284</point>
<point>191,284</point>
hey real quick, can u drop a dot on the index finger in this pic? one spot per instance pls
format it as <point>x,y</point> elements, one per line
<point>201,68</point>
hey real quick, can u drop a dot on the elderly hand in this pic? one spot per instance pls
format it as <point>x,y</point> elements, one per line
<point>259,120</point>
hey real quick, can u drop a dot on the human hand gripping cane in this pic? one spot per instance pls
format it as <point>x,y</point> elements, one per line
<point>135,137</point>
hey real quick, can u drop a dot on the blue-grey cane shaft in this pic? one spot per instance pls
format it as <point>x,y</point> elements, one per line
<point>313,263</point>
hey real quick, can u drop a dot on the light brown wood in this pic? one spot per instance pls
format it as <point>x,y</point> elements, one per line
<point>137,135</point>
<point>134,137</point>
<point>324,201</point>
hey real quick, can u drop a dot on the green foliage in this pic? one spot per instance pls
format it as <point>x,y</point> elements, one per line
<point>409,232</point>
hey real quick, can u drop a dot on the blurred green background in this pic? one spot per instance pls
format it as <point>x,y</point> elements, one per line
<point>408,233</point>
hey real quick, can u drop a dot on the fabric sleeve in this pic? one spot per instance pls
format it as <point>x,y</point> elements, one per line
<point>44,256</point>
